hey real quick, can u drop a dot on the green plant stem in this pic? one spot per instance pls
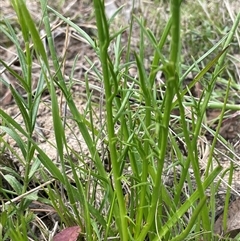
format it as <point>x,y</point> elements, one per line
<point>147,97</point>
<point>29,126</point>
<point>29,119</point>
<point>195,215</point>
<point>215,139</point>
<point>157,52</point>
<point>228,41</point>
<point>216,105</point>
<point>171,71</point>
<point>163,230</point>
<point>175,32</point>
<point>103,36</point>
<point>82,127</point>
<point>206,222</point>
<point>209,164</point>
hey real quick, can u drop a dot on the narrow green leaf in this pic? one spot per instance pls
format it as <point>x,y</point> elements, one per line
<point>192,221</point>
<point>75,26</point>
<point>16,137</point>
<point>15,184</point>
<point>22,107</point>
<point>34,167</point>
<point>187,204</point>
<point>17,76</point>
<point>203,72</point>
<point>57,124</point>
<point>142,78</point>
<point>18,4</point>
<point>37,97</point>
<point>28,24</point>
<point>51,167</point>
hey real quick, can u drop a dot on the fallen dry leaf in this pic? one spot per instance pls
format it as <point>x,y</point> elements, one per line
<point>68,234</point>
<point>7,98</point>
<point>233,221</point>
<point>228,129</point>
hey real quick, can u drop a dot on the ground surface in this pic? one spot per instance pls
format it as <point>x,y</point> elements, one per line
<point>81,12</point>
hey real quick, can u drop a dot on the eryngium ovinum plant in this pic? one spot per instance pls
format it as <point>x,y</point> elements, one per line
<point>134,198</point>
